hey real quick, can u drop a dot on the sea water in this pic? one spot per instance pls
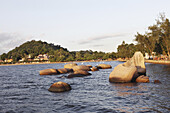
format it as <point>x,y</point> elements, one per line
<point>23,90</point>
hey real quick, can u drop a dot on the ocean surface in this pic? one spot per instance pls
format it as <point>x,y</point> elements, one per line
<point>23,90</point>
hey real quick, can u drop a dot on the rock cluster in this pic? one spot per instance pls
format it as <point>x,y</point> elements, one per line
<point>74,70</point>
<point>133,70</point>
<point>130,71</point>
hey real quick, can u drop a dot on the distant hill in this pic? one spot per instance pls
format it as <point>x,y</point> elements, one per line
<point>32,49</point>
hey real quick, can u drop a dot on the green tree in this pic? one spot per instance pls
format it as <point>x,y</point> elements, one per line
<point>164,29</point>
<point>157,38</point>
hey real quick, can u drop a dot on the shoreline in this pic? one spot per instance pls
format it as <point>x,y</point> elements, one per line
<point>166,62</point>
<point>36,63</point>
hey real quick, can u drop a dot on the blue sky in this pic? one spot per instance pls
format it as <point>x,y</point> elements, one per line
<point>98,25</point>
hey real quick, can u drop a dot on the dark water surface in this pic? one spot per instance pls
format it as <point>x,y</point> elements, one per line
<point>23,90</point>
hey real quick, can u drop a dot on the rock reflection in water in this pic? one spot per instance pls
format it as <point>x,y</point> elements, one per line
<point>127,89</point>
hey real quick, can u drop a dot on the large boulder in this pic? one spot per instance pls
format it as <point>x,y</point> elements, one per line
<point>59,87</point>
<point>130,70</point>
<point>104,66</point>
<point>122,73</point>
<point>70,66</point>
<point>138,61</point>
<point>81,67</point>
<point>79,73</point>
<point>49,72</point>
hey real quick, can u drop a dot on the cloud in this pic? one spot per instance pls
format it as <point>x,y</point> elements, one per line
<point>99,45</point>
<point>9,41</point>
<point>90,40</point>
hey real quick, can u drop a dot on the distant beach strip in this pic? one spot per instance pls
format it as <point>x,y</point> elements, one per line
<point>158,61</point>
<point>149,61</point>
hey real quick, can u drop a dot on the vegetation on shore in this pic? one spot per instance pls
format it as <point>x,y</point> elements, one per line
<point>156,39</point>
<point>56,53</point>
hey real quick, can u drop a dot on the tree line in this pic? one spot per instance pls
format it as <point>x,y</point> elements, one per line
<point>156,39</point>
<point>56,53</point>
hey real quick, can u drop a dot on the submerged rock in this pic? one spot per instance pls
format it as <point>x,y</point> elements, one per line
<point>157,81</point>
<point>59,87</point>
<point>49,72</point>
<point>143,79</point>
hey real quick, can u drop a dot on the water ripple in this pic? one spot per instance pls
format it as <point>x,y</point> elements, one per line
<point>24,90</point>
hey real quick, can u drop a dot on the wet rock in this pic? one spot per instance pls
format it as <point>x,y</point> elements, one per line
<point>64,70</point>
<point>94,69</point>
<point>104,66</point>
<point>69,66</point>
<point>49,72</point>
<point>122,73</point>
<point>157,82</point>
<point>81,67</point>
<point>79,73</point>
<point>143,79</point>
<point>59,87</point>
<point>90,66</point>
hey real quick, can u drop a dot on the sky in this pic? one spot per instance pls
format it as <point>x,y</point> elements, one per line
<point>98,25</point>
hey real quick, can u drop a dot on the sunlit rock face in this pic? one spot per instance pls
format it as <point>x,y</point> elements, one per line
<point>81,67</point>
<point>122,73</point>
<point>104,66</point>
<point>130,70</point>
<point>49,72</point>
<point>70,66</point>
<point>136,60</point>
